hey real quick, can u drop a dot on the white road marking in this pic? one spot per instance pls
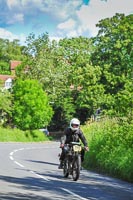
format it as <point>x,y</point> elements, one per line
<point>15,150</point>
<point>75,195</point>
<point>11,153</point>
<point>40,176</point>
<point>19,149</point>
<point>11,158</point>
<point>18,164</point>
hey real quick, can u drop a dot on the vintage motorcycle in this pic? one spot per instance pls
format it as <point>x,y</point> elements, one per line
<point>72,161</point>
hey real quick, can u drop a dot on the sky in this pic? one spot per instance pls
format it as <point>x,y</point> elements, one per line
<point>58,18</point>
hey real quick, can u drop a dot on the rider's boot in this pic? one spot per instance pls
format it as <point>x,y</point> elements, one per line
<point>60,165</point>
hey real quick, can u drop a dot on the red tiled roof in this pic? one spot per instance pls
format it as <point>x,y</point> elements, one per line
<point>14,64</point>
<point>5,77</point>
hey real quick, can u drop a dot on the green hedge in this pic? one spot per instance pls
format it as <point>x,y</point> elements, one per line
<point>111,148</point>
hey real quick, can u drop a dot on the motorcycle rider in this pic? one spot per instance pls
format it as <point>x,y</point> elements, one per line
<point>73,133</point>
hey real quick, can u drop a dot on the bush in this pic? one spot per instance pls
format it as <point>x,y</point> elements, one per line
<point>111,148</point>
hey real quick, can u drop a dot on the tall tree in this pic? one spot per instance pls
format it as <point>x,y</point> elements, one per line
<point>46,64</point>
<point>83,78</point>
<point>113,53</point>
<point>9,51</point>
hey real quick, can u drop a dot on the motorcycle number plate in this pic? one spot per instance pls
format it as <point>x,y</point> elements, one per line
<point>77,148</point>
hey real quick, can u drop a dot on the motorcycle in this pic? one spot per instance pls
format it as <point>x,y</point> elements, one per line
<point>72,161</point>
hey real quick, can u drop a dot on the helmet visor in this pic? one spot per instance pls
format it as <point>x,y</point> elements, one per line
<point>75,125</point>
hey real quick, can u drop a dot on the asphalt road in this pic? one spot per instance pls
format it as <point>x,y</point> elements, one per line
<point>30,171</point>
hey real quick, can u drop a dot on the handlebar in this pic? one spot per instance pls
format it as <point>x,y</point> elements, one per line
<point>75,143</point>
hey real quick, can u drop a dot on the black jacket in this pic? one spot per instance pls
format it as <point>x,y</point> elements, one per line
<point>73,136</point>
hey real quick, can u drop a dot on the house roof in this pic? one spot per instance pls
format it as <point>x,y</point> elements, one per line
<point>5,77</point>
<point>14,64</point>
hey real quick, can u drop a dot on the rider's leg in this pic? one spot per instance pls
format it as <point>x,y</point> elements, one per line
<point>82,155</point>
<point>62,156</point>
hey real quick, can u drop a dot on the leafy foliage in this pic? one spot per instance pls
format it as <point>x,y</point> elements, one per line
<point>31,108</point>
<point>9,51</point>
<point>63,69</point>
<point>111,148</point>
<point>113,53</point>
<point>85,73</point>
<point>5,106</point>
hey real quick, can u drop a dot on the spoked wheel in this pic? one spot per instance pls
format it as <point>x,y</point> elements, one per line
<point>76,168</point>
<point>65,169</point>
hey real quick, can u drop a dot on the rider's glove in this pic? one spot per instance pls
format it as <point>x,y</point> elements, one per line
<point>61,145</point>
<point>86,148</point>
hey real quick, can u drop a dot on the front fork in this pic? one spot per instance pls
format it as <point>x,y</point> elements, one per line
<point>77,160</point>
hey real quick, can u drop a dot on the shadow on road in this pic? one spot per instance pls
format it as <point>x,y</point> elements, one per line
<point>37,188</point>
<point>14,196</point>
<point>42,162</point>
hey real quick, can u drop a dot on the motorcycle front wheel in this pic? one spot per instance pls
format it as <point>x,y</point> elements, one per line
<point>65,169</point>
<point>76,168</point>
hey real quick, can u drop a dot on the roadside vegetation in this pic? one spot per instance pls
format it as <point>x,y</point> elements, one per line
<point>111,148</point>
<point>17,135</point>
<point>57,81</point>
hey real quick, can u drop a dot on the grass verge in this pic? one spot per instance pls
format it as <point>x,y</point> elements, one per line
<point>16,135</point>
